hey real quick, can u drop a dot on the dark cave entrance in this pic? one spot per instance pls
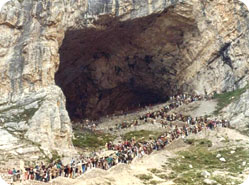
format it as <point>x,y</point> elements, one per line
<point>95,86</point>
<point>118,66</point>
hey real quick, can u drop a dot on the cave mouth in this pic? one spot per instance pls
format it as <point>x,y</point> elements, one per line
<point>118,67</point>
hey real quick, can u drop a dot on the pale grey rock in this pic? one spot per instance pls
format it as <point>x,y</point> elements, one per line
<point>209,182</point>
<point>27,150</point>
<point>238,112</point>
<point>7,141</point>
<point>222,159</point>
<point>218,155</point>
<point>21,126</point>
<point>205,174</point>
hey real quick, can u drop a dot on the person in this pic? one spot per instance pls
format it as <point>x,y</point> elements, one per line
<point>37,174</point>
<point>66,172</point>
<point>12,180</point>
<point>73,170</point>
<point>84,166</point>
<point>47,177</point>
<point>31,173</point>
<point>26,174</point>
<point>79,168</point>
<point>53,173</point>
<point>10,172</point>
<point>94,126</point>
<point>21,176</point>
<point>109,161</point>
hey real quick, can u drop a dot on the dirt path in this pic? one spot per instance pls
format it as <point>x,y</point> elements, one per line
<point>199,108</point>
<point>125,174</point>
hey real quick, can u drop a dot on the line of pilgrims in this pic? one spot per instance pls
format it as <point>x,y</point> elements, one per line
<point>175,102</point>
<point>126,151</point>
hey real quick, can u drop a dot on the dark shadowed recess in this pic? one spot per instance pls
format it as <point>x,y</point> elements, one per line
<point>108,69</point>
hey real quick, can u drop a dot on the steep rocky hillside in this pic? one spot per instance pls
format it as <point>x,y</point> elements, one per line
<point>63,60</point>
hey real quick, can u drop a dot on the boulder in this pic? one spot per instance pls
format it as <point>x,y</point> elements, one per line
<point>205,174</point>
<point>218,155</point>
<point>222,160</point>
<point>209,182</point>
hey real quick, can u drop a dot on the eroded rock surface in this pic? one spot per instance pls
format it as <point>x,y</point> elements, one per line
<point>238,113</point>
<point>108,53</point>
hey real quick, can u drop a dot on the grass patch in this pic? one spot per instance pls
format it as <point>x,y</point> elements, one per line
<point>226,98</point>
<point>172,175</point>
<point>141,135</point>
<point>153,182</point>
<point>227,140</point>
<point>190,178</point>
<point>199,142</point>
<point>155,171</point>
<point>203,159</point>
<point>144,177</point>
<point>163,176</point>
<point>234,161</point>
<point>222,180</point>
<point>91,140</point>
<point>205,142</point>
<point>189,141</point>
<point>238,140</point>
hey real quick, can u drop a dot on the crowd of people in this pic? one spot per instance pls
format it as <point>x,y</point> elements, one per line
<point>127,150</point>
<point>175,102</point>
<point>123,152</point>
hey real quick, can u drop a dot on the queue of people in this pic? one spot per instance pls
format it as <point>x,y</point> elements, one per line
<point>175,102</point>
<point>125,151</point>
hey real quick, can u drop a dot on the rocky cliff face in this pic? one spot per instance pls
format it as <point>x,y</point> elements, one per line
<point>238,113</point>
<point>109,55</point>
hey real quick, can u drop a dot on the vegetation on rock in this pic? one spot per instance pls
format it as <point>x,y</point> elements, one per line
<point>226,98</point>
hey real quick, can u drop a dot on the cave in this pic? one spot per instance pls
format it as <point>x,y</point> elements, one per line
<point>119,66</point>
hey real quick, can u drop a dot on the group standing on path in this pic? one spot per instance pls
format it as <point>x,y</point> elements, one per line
<point>175,102</point>
<point>126,151</point>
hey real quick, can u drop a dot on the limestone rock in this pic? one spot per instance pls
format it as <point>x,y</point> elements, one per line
<point>218,155</point>
<point>6,140</point>
<point>209,182</point>
<point>205,174</point>
<point>222,160</point>
<point>238,112</point>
